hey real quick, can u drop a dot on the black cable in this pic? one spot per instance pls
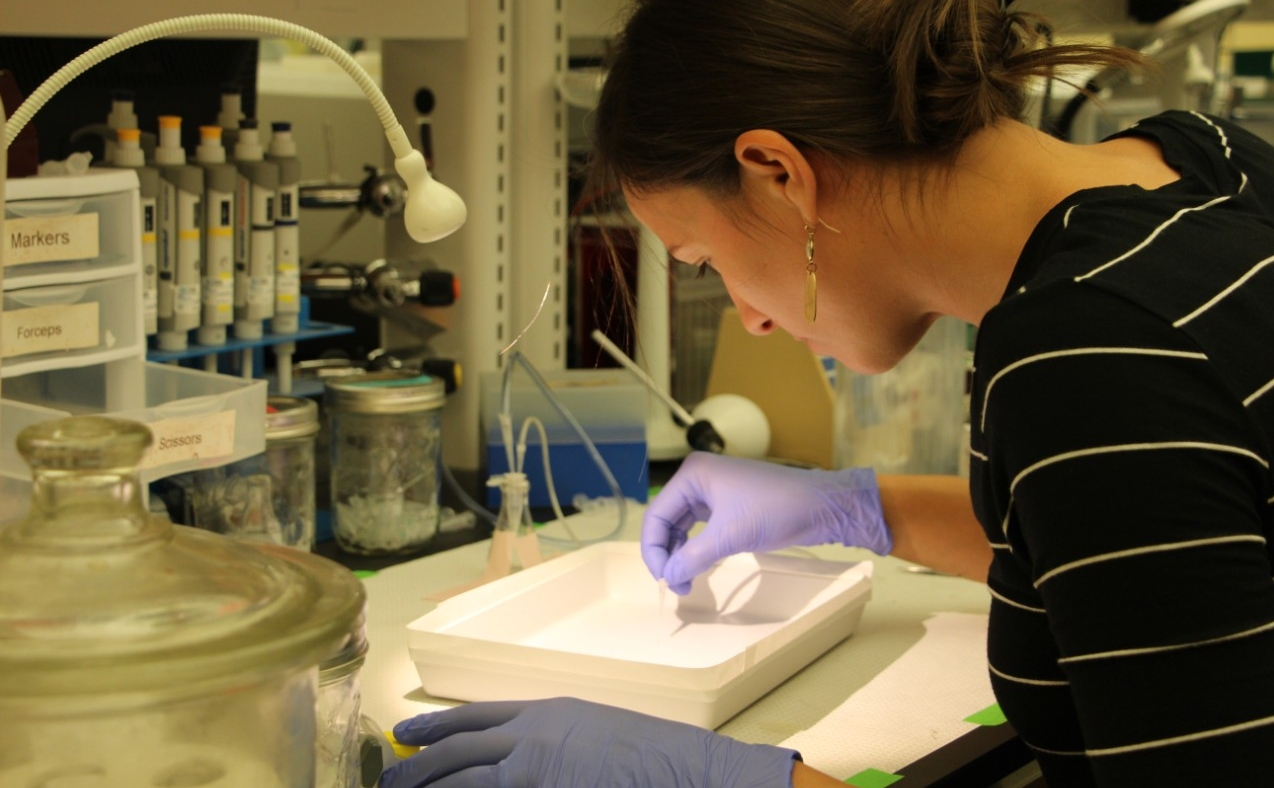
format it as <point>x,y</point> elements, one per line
<point>1061,127</point>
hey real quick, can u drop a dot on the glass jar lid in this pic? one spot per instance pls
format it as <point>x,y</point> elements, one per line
<point>388,391</point>
<point>99,595</point>
<point>290,417</point>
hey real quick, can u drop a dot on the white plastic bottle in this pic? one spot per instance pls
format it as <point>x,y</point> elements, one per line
<point>121,116</point>
<point>230,115</point>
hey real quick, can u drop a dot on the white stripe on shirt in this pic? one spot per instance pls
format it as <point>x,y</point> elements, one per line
<point>1053,354</point>
<point>1117,448</point>
<point>1254,396</point>
<point>1220,132</point>
<point>1046,751</point>
<point>1011,603</point>
<point>1189,737</point>
<point>1033,682</point>
<point>1156,548</point>
<point>1217,298</point>
<point>1136,652</point>
<point>1155,233</point>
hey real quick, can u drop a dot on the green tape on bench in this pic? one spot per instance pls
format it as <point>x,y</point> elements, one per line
<point>989,716</point>
<point>873,778</point>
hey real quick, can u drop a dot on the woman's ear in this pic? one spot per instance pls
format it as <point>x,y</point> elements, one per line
<point>771,166</point>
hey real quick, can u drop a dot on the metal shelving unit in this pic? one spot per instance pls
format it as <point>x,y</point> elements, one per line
<point>499,138</point>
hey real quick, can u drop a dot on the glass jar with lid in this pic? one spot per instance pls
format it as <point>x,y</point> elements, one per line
<point>386,446</point>
<point>270,496</point>
<point>138,653</point>
<point>339,713</point>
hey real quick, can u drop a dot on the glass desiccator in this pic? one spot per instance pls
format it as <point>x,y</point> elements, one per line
<point>134,652</point>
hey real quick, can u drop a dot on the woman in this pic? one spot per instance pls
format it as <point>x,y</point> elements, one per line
<point>855,168</point>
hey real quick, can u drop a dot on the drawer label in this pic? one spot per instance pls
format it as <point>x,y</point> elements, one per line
<point>190,438</point>
<point>44,239</point>
<point>45,329</point>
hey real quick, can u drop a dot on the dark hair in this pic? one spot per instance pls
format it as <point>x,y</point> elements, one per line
<point>891,81</point>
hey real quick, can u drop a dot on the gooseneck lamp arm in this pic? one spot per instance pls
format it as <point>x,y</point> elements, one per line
<point>433,211</point>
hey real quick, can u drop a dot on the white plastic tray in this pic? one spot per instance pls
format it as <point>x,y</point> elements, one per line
<point>592,624</point>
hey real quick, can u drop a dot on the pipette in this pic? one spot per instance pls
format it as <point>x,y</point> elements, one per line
<point>700,434</point>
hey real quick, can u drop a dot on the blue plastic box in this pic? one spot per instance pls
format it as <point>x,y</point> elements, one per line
<point>611,407</point>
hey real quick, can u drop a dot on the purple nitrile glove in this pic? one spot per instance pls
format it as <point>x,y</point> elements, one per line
<point>755,506</point>
<point>570,743</point>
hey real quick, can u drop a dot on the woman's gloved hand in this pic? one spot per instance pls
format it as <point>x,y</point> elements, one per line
<point>754,506</point>
<point>570,743</point>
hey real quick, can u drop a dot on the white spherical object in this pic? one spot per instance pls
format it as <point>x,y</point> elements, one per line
<point>740,423</point>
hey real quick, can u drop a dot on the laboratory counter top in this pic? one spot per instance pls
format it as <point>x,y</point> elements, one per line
<point>447,540</point>
<point>895,694</point>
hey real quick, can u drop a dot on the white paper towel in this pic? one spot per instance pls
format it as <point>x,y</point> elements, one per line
<point>911,708</point>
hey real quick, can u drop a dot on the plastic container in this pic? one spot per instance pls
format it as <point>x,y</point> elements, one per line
<point>592,624</point>
<point>268,497</point>
<point>75,226</point>
<point>609,404</point>
<point>56,326</point>
<point>386,447</point>
<point>134,652</point>
<point>200,419</point>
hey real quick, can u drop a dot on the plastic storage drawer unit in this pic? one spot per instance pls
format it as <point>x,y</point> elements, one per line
<point>69,228</point>
<point>70,325</point>
<point>199,419</point>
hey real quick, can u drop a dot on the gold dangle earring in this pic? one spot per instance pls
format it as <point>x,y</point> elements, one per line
<point>811,277</point>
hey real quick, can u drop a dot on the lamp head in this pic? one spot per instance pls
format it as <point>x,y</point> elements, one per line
<point>433,210</point>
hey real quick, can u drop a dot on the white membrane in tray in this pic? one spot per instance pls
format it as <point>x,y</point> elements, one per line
<point>593,624</point>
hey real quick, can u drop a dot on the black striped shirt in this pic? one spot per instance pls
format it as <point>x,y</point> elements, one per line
<point>1123,418</point>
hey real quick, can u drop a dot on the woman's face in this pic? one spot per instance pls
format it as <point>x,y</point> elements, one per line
<point>864,319</point>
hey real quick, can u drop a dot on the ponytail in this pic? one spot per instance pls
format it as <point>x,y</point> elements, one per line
<point>956,66</point>
<point>877,80</point>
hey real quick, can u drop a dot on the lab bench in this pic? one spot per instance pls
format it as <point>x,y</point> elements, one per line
<point>988,756</point>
